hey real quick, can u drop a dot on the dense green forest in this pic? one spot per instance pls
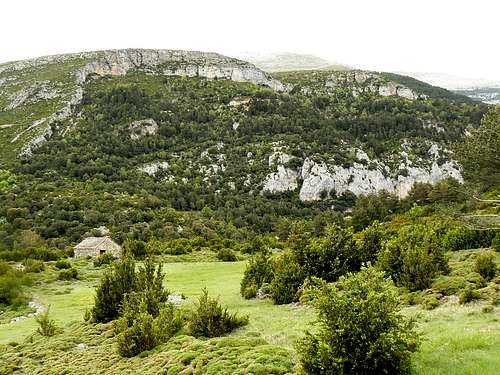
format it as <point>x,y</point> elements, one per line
<point>216,137</point>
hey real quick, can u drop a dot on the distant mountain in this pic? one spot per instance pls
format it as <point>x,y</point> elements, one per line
<point>489,95</point>
<point>453,82</point>
<point>281,62</point>
<point>484,90</point>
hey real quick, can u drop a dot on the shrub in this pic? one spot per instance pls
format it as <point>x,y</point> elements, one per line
<point>137,249</point>
<point>413,257</point>
<point>105,258</point>
<point>332,255</point>
<point>256,245</point>
<point>177,247</point>
<point>149,284</point>
<point>487,309</point>
<point>41,253</point>
<point>430,302</point>
<point>145,332</point>
<point>33,265</point>
<point>140,336</point>
<point>63,264</point>
<point>311,289</point>
<point>460,238</point>
<point>46,326</point>
<point>122,281</point>
<point>257,272</point>
<point>372,207</point>
<point>117,282</point>
<point>485,265</point>
<point>11,286</point>
<point>249,292</point>
<point>360,329</point>
<point>495,244</point>
<point>145,320</point>
<point>210,319</point>
<point>169,322</point>
<point>288,277</point>
<point>226,255</point>
<point>4,268</point>
<point>468,295</point>
<point>68,274</point>
<point>369,242</point>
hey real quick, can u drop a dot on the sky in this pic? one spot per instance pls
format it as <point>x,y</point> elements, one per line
<point>459,37</point>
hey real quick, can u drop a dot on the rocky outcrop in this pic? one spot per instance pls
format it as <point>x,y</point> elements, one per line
<point>362,82</point>
<point>47,132</point>
<point>153,168</point>
<point>142,128</point>
<point>175,63</point>
<point>363,177</point>
<point>284,179</point>
<point>40,90</point>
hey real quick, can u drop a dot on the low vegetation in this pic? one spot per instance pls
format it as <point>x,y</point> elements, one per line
<point>360,329</point>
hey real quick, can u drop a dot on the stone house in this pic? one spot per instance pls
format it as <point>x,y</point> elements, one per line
<point>95,246</point>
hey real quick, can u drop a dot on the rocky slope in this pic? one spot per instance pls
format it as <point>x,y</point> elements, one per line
<point>30,107</point>
<point>318,180</point>
<point>351,111</point>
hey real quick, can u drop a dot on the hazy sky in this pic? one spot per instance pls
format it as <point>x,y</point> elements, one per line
<point>459,37</point>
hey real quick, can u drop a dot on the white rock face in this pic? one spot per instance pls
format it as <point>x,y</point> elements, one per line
<point>142,128</point>
<point>279,157</point>
<point>176,63</point>
<point>153,168</point>
<point>40,90</point>
<point>361,180</point>
<point>284,179</point>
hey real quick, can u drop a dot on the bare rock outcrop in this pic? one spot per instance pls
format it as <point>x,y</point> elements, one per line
<point>175,63</point>
<point>362,179</point>
<point>142,128</point>
<point>284,179</point>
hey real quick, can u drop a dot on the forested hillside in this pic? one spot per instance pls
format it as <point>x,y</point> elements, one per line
<point>166,156</point>
<point>308,222</point>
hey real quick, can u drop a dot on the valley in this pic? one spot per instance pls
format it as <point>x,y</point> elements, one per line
<point>305,221</point>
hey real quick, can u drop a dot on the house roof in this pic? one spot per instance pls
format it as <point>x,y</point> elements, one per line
<point>91,242</point>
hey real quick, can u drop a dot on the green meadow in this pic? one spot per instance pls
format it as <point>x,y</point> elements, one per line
<point>456,339</point>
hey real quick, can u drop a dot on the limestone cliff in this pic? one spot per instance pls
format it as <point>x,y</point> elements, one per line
<point>363,177</point>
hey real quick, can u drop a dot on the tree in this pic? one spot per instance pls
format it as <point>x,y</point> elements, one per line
<point>360,330</point>
<point>332,255</point>
<point>288,277</point>
<point>479,154</point>
<point>110,293</point>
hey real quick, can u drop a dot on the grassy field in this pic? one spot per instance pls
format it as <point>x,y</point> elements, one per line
<point>456,339</point>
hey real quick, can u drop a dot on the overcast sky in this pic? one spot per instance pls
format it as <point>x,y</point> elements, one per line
<point>452,36</point>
